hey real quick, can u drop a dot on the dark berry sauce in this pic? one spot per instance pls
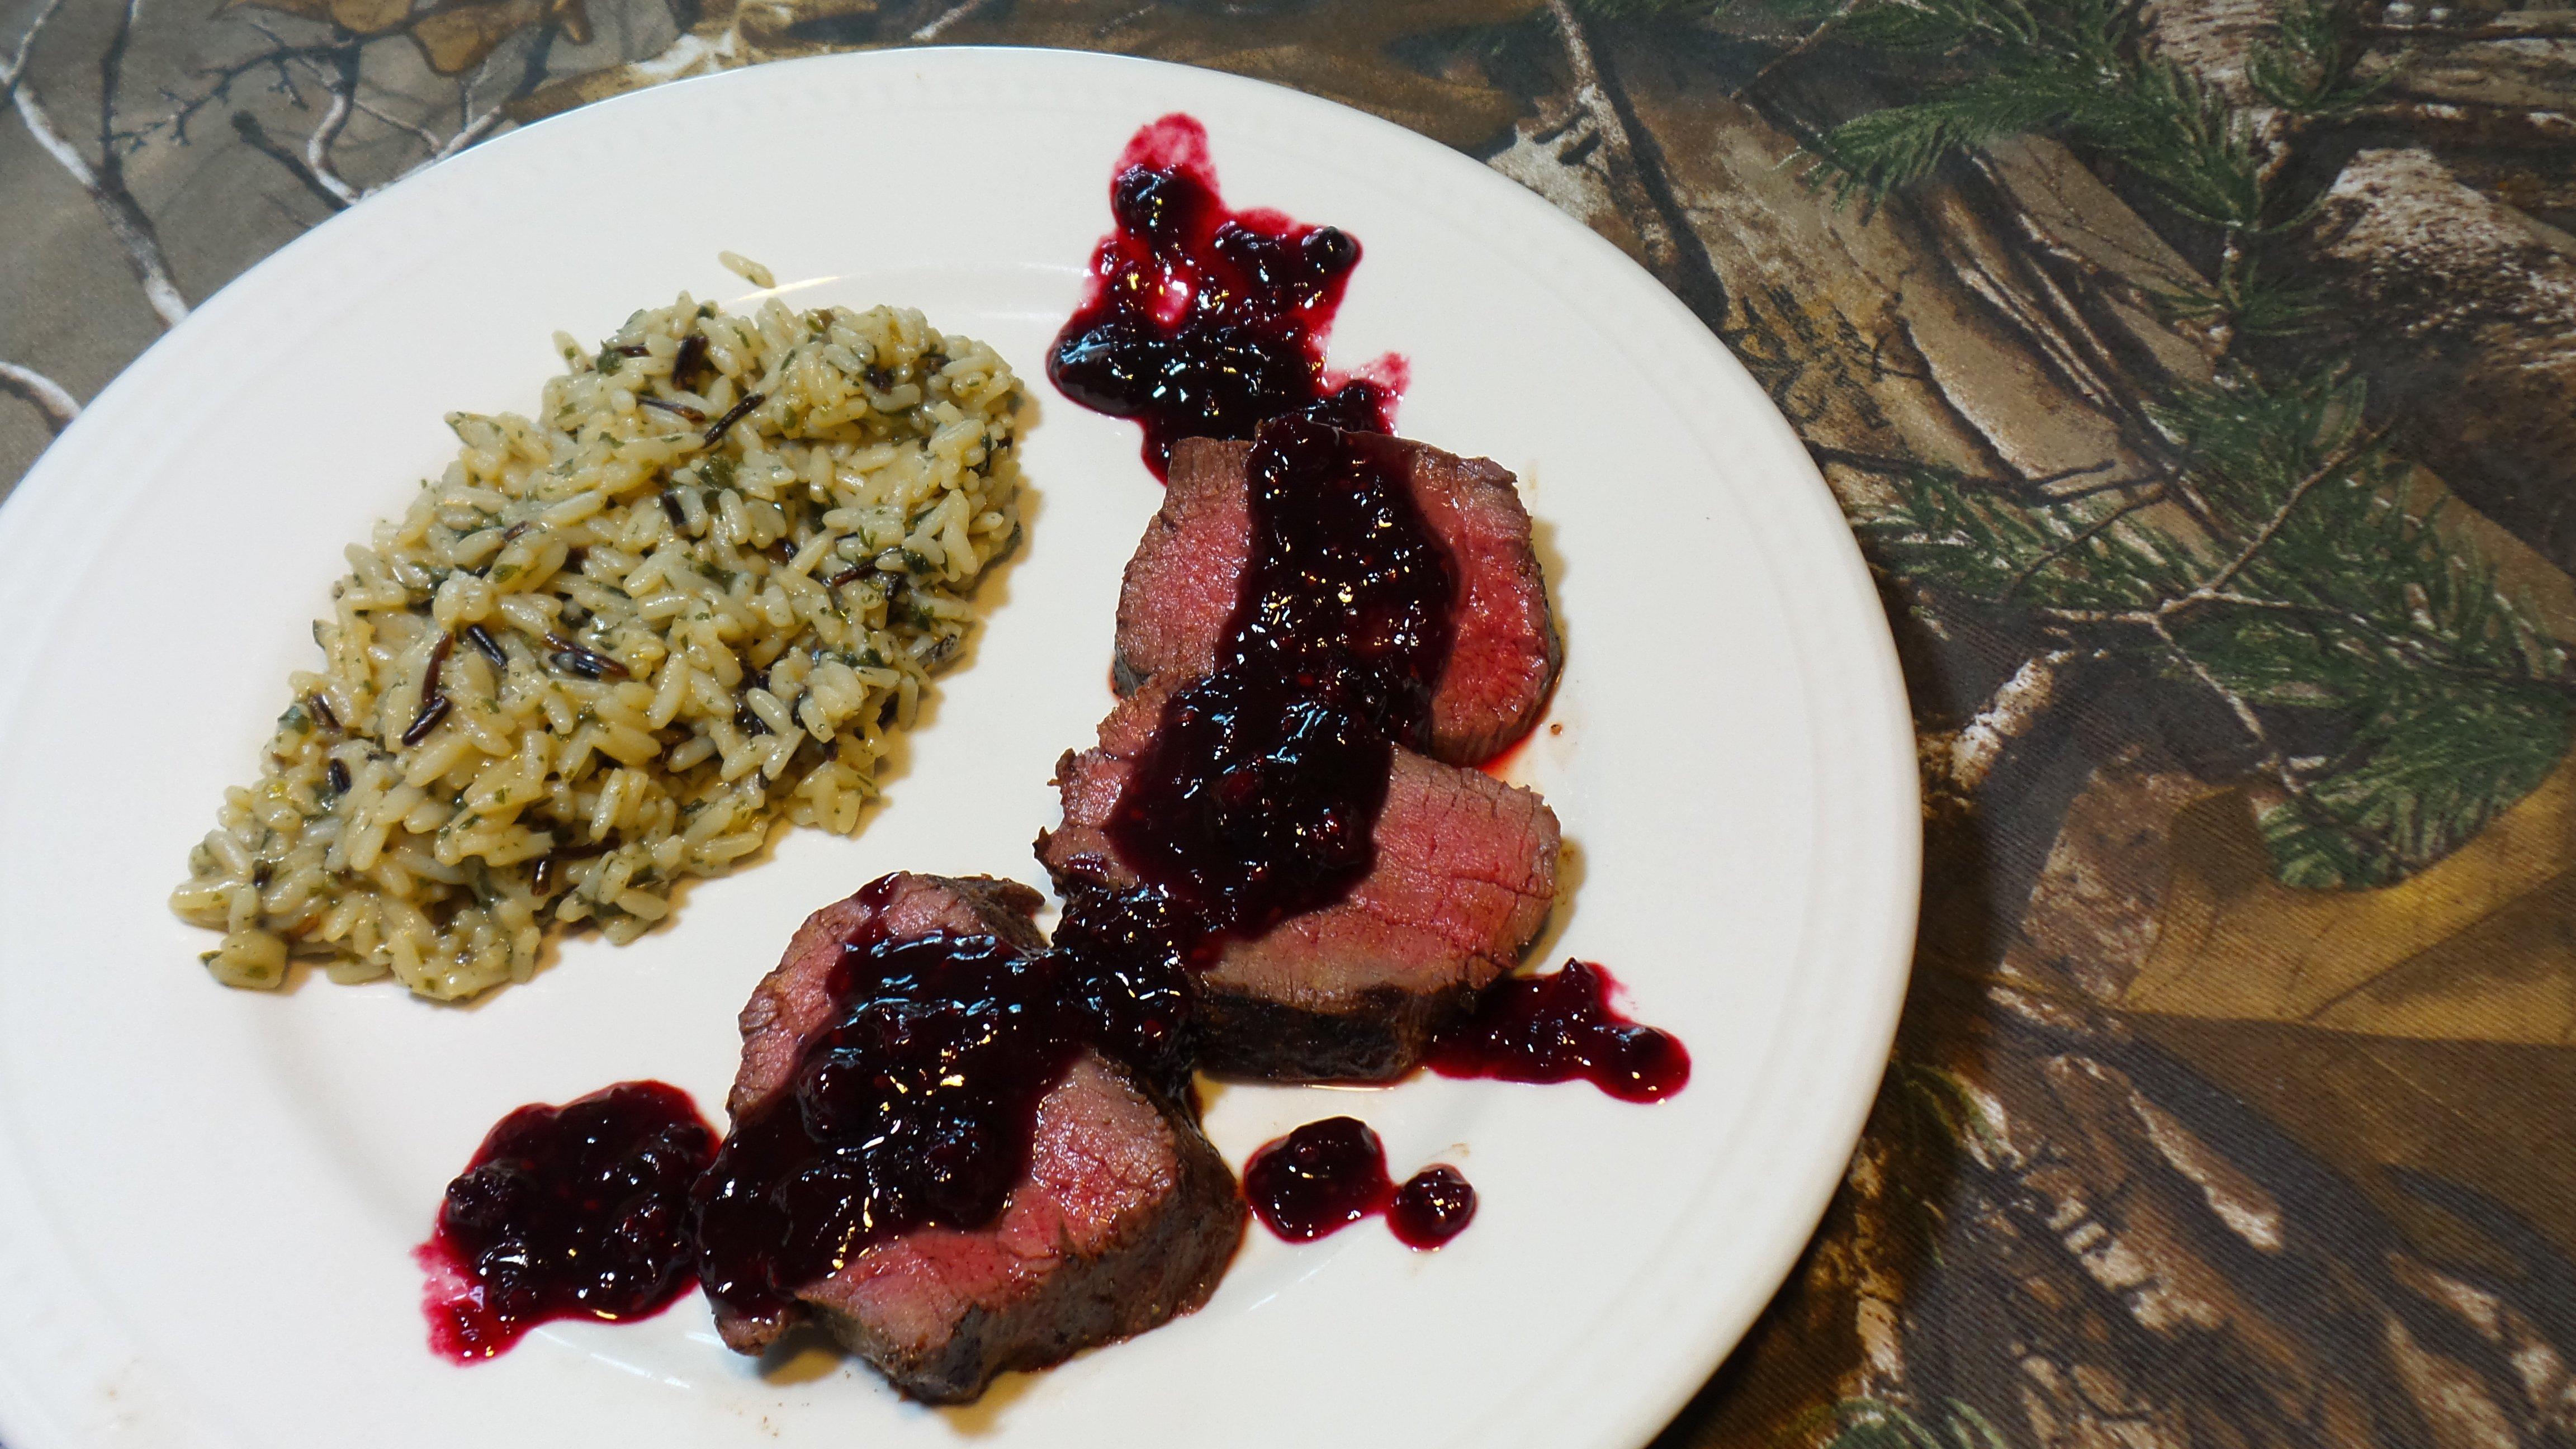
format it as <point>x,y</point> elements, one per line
<point>1433,1206</point>
<point>1327,1175</point>
<point>1558,1027</point>
<point>1258,795</point>
<point>1127,954</point>
<point>916,1105</point>
<point>574,1211</point>
<point>1203,322</point>
<point>1260,791</point>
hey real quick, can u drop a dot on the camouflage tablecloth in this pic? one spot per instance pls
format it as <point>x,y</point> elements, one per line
<point>2200,378</point>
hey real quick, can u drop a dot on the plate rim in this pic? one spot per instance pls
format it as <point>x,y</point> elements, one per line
<point>51,486</point>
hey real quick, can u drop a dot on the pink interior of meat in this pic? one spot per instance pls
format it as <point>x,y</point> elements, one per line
<point>1101,1154</point>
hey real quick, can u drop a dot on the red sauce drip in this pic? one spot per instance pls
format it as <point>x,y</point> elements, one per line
<point>1558,1027</point>
<point>1201,322</point>
<point>1433,1206</point>
<point>1327,1175</point>
<point>917,1104</point>
<point>567,1212</point>
<point>1258,797</point>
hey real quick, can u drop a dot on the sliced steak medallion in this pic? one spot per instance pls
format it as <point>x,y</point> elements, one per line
<point>1183,581</point>
<point>1126,1219</point>
<point>1125,1216</point>
<point>1464,878</point>
<point>794,1001</point>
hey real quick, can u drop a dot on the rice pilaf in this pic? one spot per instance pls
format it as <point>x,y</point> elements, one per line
<point>613,645</point>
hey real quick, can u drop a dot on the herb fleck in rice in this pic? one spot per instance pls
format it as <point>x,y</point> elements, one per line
<point>614,644</point>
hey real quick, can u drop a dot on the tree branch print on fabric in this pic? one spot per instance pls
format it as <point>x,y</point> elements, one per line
<point>102,177</point>
<point>2280,560</point>
<point>493,55</point>
<point>40,392</point>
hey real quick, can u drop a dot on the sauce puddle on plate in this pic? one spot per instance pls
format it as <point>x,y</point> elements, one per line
<point>1560,1027</point>
<point>1327,1175</point>
<point>1202,322</point>
<point>577,1211</point>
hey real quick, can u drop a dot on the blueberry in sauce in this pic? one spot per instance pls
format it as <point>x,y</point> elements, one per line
<point>1206,322</point>
<point>1433,1206</point>
<point>1319,1179</point>
<point>567,1212</point>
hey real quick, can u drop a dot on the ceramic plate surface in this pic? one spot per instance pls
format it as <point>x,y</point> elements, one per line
<point>208,1198</point>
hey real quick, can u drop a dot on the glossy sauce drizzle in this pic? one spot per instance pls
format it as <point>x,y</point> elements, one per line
<point>1259,794</point>
<point>567,1212</point>
<point>1559,1027</point>
<point>916,1105</point>
<point>1327,1175</point>
<point>1203,322</point>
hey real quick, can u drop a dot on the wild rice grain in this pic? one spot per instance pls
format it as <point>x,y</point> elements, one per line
<point>428,719</point>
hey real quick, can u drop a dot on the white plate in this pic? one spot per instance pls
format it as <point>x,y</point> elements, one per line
<point>207,1197</point>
